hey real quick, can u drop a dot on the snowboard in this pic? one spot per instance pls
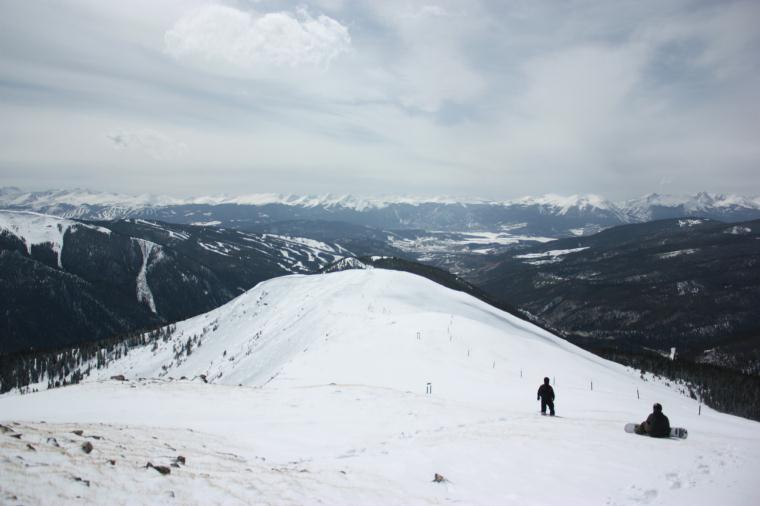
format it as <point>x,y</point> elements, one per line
<point>675,432</point>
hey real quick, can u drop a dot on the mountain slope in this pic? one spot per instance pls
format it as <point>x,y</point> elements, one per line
<point>693,284</point>
<point>339,364</point>
<point>65,281</point>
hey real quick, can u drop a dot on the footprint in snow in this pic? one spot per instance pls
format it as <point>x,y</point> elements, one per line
<point>643,496</point>
<point>674,480</point>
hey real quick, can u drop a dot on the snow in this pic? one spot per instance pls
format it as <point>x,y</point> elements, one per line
<point>34,228</point>
<point>78,202</point>
<point>211,223</point>
<point>640,209</point>
<point>217,247</point>
<point>144,295</point>
<point>678,253</point>
<point>562,204</point>
<point>466,242</point>
<point>548,257</point>
<point>689,223</point>
<point>332,409</point>
<point>738,230</point>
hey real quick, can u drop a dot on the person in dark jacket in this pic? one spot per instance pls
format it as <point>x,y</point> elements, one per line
<point>656,424</point>
<point>546,394</point>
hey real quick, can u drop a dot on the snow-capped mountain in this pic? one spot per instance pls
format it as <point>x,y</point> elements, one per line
<point>360,387</point>
<point>705,205</point>
<point>64,281</point>
<point>547,215</point>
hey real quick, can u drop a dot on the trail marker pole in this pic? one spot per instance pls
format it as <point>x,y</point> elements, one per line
<point>592,385</point>
<point>429,388</point>
<point>637,394</point>
<point>494,364</point>
<point>419,335</point>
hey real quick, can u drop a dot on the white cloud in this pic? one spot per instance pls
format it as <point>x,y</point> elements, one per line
<point>221,36</point>
<point>154,144</point>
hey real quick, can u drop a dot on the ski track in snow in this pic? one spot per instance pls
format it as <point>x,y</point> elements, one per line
<point>333,410</point>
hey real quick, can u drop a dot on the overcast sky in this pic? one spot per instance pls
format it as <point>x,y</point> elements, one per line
<point>494,99</point>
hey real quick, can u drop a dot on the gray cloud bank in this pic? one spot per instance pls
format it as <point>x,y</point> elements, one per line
<point>495,99</point>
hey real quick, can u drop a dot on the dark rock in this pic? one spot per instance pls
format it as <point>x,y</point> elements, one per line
<point>93,436</point>
<point>4,429</point>
<point>53,442</point>
<point>203,377</point>
<point>87,447</point>
<point>439,478</point>
<point>180,460</point>
<point>86,482</point>
<point>17,436</point>
<point>112,462</point>
<point>77,432</point>
<point>119,377</point>
<point>161,469</point>
<point>28,445</point>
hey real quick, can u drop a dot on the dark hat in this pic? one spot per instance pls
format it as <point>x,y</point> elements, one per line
<point>546,380</point>
<point>657,406</point>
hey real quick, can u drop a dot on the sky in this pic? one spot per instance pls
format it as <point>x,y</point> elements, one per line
<point>493,99</point>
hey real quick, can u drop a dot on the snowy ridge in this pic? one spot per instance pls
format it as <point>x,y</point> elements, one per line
<point>562,205</point>
<point>34,228</point>
<point>79,202</point>
<point>349,357</point>
<point>641,209</point>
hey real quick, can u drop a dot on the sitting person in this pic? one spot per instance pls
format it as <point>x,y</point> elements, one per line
<point>656,424</point>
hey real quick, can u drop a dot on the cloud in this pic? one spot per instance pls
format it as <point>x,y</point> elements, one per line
<point>489,97</point>
<point>154,144</point>
<point>222,36</point>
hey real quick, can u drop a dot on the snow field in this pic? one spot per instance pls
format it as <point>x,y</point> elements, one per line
<point>334,371</point>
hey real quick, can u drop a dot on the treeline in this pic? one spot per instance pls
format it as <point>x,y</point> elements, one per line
<point>68,366</point>
<point>722,389</point>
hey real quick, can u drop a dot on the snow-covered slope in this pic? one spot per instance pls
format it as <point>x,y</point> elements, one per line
<point>37,229</point>
<point>317,394</point>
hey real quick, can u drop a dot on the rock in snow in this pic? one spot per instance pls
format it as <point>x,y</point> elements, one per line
<point>333,408</point>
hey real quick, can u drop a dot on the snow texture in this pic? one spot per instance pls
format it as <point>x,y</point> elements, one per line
<point>317,395</point>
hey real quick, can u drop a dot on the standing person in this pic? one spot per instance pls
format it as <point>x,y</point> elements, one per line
<point>656,424</point>
<point>546,394</point>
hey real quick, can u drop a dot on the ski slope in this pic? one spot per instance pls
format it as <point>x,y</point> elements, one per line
<point>316,394</point>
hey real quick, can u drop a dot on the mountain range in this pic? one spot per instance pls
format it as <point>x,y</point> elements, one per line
<point>548,215</point>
